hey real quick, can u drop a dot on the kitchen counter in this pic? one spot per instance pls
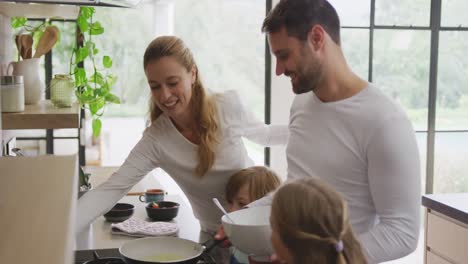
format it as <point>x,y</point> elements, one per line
<point>446,228</point>
<point>453,205</point>
<point>99,236</point>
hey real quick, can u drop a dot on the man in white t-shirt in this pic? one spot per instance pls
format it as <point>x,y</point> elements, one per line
<point>345,131</point>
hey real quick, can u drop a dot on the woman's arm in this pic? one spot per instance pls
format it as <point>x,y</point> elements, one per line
<point>142,159</point>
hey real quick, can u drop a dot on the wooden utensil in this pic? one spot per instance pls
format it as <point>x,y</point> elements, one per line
<point>18,45</point>
<point>26,46</point>
<point>135,193</point>
<point>47,41</point>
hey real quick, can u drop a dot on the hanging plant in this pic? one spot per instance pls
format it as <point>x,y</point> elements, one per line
<point>93,89</point>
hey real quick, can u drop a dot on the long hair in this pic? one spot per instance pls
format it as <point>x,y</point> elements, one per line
<point>261,181</point>
<point>312,221</point>
<point>203,106</point>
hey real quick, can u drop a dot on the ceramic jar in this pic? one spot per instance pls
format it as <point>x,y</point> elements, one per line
<point>33,84</point>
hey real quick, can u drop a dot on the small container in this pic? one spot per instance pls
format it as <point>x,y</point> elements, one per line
<point>12,90</point>
<point>62,90</point>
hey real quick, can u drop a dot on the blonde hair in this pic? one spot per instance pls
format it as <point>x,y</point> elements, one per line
<point>261,180</point>
<point>312,221</point>
<point>203,105</point>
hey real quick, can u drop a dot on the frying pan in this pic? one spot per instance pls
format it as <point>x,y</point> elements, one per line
<point>152,250</point>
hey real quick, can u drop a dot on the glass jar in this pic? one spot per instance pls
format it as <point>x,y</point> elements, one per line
<point>12,93</point>
<point>62,90</point>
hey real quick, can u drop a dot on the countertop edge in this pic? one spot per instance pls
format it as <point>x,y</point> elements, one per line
<point>445,209</point>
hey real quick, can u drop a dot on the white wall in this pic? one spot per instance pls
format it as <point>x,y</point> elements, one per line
<point>6,54</point>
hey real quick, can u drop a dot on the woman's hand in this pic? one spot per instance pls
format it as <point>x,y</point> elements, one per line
<point>273,260</point>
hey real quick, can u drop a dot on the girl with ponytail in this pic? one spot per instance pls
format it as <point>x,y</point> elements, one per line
<point>310,224</point>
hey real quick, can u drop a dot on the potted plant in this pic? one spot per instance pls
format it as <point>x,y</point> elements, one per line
<point>93,87</point>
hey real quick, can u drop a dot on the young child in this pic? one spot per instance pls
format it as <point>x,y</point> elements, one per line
<point>244,187</point>
<point>309,222</point>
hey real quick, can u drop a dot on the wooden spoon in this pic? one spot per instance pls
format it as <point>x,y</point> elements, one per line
<point>26,46</point>
<point>47,41</point>
<point>18,45</point>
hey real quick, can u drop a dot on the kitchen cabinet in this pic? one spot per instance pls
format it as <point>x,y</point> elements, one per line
<point>446,228</point>
<point>37,209</point>
<point>42,115</point>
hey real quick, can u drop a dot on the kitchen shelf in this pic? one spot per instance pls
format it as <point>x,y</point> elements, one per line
<point>35,10</point>
<point>43,115</point>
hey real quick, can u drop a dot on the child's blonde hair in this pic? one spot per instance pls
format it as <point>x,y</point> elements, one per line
<point>261,180</point>
<point>311,219</point>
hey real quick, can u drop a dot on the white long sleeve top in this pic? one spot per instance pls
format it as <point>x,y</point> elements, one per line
<point>162,145</point>
<point>364,147</point>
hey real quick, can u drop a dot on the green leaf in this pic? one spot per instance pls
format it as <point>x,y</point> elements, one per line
<point>80,76</point>
<point>81,54</point>
<point>97,127</point>
<point>112,98</point>
<point>17,22</point>
<point>97,78</point>
<point>87,12</point>
<point>82,24</point>
<point>95,51</point>
<point>96,29</point>
<point>96,105</point>
<point>90,46</point>
<point>107,61</point>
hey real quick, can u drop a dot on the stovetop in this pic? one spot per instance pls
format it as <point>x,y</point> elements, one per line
<point>81,256</point>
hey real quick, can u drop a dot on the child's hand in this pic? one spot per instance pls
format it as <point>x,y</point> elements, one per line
<point>220,235</point>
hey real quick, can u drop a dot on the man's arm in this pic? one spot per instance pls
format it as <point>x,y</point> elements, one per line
<point>395,186</point>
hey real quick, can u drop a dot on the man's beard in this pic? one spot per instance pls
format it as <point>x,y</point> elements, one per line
<point>309,73</point>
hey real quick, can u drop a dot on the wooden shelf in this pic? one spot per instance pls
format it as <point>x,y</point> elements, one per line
<point>35,10</point>
<point>42,115</point>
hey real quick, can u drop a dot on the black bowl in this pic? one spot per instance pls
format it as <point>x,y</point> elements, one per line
<point>120,212</point>
<point>166,211</point>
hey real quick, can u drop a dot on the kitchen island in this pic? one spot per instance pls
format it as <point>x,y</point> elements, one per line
<point>99,236</point>
<point>446,228</point>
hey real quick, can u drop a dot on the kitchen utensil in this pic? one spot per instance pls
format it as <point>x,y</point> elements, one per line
<point>33,85</point>
<point>120,212</point>
<point>47,41</point>
<point>251,231</point>
<point>26,46</point>
<point>12,90</point>
<point>165,211</point>
<point>173,250</point>
<point>18,45</point>
<point>218,204</point>
<point>135,193</point>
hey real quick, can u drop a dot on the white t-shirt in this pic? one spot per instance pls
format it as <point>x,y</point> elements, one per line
<point>364,147</point>
<point>163,146</point>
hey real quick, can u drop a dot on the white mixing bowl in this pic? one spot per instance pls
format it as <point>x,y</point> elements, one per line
<point>250,232</point>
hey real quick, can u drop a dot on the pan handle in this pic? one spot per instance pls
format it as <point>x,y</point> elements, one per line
<point>210,244</point>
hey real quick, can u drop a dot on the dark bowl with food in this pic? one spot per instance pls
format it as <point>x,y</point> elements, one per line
<point>120,212</point>
<point>162,211</point>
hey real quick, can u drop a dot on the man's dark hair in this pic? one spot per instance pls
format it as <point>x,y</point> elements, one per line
<point>299,16</point>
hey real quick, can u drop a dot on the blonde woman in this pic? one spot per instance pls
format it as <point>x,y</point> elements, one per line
<point>194,136</point>
<point>310,224</point>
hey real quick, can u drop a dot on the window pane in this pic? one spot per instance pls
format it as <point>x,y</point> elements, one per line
<point>451,162</point>
<point>452,81</point>
<point>65,146</point>
<point>402,12</point>
<point>401,70</point>
<point>61,52</point>
<point>353,13</point>
<point>227,42</point>
<point>454,13</point>
<point>355,43</point>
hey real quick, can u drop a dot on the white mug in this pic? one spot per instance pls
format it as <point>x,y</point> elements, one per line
<point>34,86</point>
